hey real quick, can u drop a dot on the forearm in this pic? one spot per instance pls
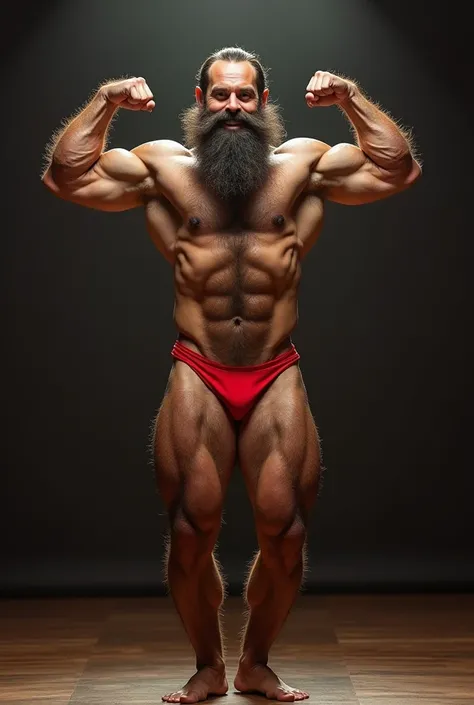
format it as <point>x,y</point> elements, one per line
<point>377,134</point>
<point>79,145</point>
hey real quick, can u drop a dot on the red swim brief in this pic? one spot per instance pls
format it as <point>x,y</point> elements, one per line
<point>237,387</point>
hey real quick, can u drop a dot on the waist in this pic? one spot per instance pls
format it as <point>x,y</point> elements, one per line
<point>238,340</point>
<point>184,349</point>
<point>228,354</point>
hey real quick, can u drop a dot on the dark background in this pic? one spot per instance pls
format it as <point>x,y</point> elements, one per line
<point>385,301</point>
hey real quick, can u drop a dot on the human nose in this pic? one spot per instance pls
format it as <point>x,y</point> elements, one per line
<point>233,103</point>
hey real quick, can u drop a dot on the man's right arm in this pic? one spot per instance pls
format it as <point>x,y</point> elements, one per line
<point>80,171</point>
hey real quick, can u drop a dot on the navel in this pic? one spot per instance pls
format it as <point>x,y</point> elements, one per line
<point>194,223</point>
<point>278,220</point>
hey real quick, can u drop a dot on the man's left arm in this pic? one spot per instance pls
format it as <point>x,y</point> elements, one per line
<point>382,163</point>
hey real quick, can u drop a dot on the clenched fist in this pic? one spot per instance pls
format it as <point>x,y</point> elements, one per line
<point>131,94</point>
<point>326,88</point>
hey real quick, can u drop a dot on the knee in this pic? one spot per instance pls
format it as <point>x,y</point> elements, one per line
<point>282,540</point>
<point>193,536</point>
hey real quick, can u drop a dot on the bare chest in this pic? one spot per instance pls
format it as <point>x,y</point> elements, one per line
<point>187,213</point>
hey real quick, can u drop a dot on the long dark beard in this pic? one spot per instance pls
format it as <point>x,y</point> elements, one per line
<point>233,164</point>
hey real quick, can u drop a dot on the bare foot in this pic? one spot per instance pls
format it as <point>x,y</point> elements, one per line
<point>207,681</point>
<point>261,679</point>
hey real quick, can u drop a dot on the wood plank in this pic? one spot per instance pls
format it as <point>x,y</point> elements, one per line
<point>45,645</point>
<point>356,650</point>
<point>143,653</point>
<point>407,649</point>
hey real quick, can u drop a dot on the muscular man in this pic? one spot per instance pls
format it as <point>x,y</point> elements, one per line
<point>234,212</point>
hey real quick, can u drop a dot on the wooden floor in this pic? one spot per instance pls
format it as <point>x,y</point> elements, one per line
<point>356,650</point>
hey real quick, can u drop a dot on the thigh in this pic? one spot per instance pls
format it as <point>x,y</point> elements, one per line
<point>279,452</point>
<point>194,448</point>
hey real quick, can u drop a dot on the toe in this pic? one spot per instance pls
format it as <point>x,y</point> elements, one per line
<point>191,697</point>
<point>286,697</point>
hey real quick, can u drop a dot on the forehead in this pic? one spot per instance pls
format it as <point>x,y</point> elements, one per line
<point>236,73</point>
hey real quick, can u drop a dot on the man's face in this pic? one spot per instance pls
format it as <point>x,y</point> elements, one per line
<point>232,87</point>
<point>232,128</point>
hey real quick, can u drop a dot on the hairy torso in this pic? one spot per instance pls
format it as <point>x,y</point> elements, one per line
<point>236,273</point>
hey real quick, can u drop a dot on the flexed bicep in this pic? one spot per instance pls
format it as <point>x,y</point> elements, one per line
<point>346,175</point>
<point>117,181</point>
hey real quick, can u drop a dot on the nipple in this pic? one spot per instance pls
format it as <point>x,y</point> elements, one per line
<point>194,222</point>
<point>278,220</point>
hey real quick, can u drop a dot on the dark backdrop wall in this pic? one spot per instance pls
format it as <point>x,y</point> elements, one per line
<point>385,302</point>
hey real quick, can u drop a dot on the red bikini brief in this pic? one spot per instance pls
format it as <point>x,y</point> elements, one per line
<point>237,387</point>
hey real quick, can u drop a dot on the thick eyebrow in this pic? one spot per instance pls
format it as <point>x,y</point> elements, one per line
<point>249,88</point>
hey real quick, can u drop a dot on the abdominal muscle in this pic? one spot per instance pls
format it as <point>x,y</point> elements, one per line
<point>235,297</point>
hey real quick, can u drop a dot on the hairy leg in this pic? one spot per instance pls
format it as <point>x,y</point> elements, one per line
<point>194,444</point>
<point>280,458</point>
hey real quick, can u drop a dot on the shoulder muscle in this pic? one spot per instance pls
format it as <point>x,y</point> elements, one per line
<point>305,146</point>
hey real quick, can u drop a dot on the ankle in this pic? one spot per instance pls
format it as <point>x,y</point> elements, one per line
<point>216,663</point>
<point>250,659</point>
